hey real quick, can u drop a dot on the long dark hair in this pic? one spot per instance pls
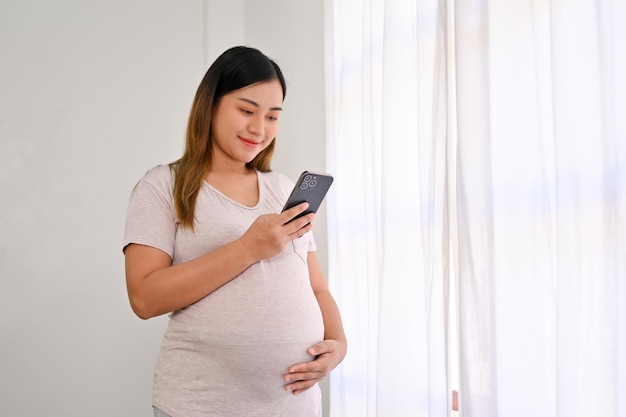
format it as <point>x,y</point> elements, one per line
<point>236,68</point>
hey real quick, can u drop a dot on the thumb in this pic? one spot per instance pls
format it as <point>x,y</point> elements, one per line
<point>318,349</point>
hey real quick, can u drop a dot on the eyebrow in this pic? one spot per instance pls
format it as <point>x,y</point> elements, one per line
<point>254,103</point>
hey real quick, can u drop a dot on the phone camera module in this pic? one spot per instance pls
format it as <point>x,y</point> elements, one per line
<point>309,181</point>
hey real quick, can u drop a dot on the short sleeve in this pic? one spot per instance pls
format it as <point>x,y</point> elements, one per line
<point>150,218</point>
<point>312,246</point>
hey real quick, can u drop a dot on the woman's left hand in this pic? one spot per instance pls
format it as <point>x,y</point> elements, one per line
<point>328,354</point>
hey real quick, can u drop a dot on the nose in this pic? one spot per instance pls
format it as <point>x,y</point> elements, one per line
<point>257,126</point>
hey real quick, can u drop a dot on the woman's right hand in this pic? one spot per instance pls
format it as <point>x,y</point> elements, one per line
<point>269,233</point>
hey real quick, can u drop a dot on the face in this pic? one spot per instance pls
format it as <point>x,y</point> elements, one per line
<point>246,121</point>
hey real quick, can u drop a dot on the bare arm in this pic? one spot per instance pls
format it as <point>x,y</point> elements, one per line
<point>156,287</point>
<point>330,352</point>
<point>333,326</point>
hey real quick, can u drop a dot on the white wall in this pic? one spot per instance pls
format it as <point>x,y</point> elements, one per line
<point>92,94</point>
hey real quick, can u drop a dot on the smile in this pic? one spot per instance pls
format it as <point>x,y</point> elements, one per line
<point>249,142</point>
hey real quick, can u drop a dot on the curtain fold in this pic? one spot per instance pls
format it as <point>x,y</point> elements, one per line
<point>540,183</point>
<point>474,197</point>
<point>499,127</point>
<point>388,214</point>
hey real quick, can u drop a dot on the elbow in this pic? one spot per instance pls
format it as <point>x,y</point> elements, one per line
<point>142,314</point>
<point>141,308</point>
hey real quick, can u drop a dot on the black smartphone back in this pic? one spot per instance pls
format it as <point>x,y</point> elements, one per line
<point>310,187</point>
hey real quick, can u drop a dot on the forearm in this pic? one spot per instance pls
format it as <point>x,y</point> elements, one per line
<point>333,326</point>
<point>170,288</point>
<point>156,287</point>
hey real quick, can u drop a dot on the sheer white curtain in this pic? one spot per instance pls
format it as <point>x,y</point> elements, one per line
<point>541,103</point>
<point>538,195</point>
<point>388,232</point>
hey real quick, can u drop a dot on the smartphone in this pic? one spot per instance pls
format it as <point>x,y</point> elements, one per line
<point>310,187</point>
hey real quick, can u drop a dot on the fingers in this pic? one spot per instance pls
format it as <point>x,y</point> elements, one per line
<point>305,375</point>
<point>268,234</point>
<point>299,227</point>
<point>322,352</point>
<point>303,380</point>
<point>296,232</point>
<point>301,386</point>
<point>320,348</point>
<point>288,217</point>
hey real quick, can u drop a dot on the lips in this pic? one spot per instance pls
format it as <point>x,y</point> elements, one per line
<point>249,142</point>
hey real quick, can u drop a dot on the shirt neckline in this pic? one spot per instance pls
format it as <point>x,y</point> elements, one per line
<point>260,186</point>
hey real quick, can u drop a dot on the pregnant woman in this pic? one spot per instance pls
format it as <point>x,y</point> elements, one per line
<point>252,326</point>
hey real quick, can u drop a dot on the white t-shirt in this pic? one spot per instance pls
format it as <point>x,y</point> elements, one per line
<point>226,354</point>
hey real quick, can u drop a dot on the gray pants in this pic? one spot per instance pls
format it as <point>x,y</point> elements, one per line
<point>159,413</point>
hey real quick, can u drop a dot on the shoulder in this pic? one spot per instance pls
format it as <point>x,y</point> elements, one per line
<point>161,178</point>
<point>150,217</point>
<point>156,184</point>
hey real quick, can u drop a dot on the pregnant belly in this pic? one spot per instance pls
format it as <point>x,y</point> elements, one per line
<point>240,340</point>
<point>253,371</point>
<point>217,348</point>
<point>231,380</point>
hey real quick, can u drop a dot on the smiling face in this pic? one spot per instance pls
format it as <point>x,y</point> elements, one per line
<point>245,122</point>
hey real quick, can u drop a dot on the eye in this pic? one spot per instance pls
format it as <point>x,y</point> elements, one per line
<point>246,112</point>
<point>272,116</point>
